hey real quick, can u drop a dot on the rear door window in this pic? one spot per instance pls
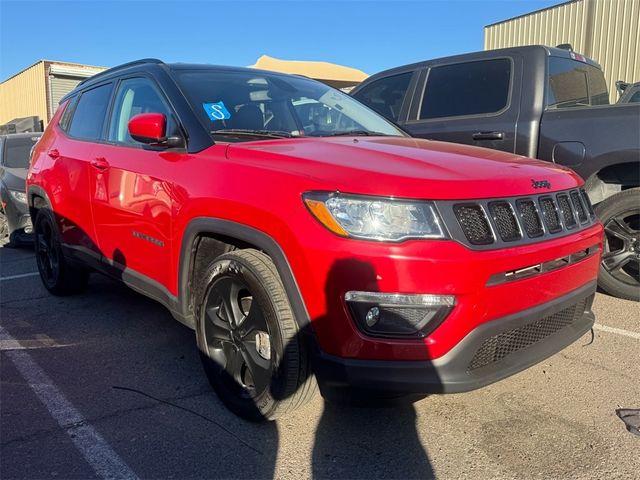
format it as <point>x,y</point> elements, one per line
<point>575,84</point>
<point>385,96</point>
<point>471,88</point>
<point>88,117</point>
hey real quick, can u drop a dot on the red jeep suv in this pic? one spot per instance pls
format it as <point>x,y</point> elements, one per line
<point>307,240</point>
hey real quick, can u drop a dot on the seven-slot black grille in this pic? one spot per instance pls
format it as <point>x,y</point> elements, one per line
<point>577,204</point>
<point>495,348</point>
<point>505,219</point>
<point>530,218</point>
<point>567,211</point>
<point>474,223</point>
<point>587,202</point>
<point>550,214</point>
<point>483,223</point>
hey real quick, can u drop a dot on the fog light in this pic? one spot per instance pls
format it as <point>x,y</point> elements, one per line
<point>373,315</point>
<point>399,315</point>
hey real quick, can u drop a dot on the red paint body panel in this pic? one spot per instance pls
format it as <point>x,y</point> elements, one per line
<point>132,206</point>
<point>137,209</point>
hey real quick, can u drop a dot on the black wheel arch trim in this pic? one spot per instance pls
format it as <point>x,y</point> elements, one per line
<point>37,191</point>
<point>215,226</point>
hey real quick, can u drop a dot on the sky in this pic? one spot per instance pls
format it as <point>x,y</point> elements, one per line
<point>368,35</point>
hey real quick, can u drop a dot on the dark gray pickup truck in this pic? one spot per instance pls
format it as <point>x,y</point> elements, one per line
<point>540,102</point>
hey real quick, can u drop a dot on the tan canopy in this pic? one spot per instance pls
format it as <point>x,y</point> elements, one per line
<point>337,76</point>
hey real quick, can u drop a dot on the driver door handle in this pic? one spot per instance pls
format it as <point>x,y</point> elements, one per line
<point>488,136</point>
<point>100,163</point>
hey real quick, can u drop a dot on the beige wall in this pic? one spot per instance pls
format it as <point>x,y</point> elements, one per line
<point>24,95</point>
<point>604,30</point>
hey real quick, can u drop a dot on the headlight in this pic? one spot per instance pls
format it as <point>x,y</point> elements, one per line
<point>18,196</point>
<point>375,218</point>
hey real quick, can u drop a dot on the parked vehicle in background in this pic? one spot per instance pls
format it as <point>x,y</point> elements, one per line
<point>629,92</point>
<point>540,102</point>
<point>306,238</point>
<point>15,222</point>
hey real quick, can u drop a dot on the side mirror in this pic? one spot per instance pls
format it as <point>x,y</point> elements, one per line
<point>151,128</point>
<point>148,128</point>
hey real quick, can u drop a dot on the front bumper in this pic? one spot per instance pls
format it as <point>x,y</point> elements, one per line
<point>19,221</point>
<point>490,352</point>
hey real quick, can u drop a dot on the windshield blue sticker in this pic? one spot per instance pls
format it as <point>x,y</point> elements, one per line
<point>216,111</point>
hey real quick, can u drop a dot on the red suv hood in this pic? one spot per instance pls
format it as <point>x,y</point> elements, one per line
<point>405,167</point>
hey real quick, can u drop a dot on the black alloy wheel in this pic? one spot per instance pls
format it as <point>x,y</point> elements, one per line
<point>622,252</point>
<point>47,253</point>
<point>238,337</point>
<point>249,340</point>
<point>620,266</point>
<point>57,275</point>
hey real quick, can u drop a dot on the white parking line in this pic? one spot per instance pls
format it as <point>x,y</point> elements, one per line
<point>95,450</point>
<point>618,331</point>
<point>22,275</point>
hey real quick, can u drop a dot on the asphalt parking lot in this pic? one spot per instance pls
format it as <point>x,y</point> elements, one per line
<point>107,384</point>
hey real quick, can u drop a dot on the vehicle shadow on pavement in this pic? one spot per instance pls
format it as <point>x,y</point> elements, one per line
<point>369,443</point>
<point>362,434</point>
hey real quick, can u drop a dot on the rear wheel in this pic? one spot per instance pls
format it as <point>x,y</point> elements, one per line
<point>620,267</point>
<point>249,340</point>
<point>56,274</point>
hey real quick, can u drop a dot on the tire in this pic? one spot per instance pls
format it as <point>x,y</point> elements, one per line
<point>620,268</point>
<point>249,341</point>
<point>56,274</point>
<point>4,229</point>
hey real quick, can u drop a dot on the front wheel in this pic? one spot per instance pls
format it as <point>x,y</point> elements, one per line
<point>619,271</point>
<point>250,344</point>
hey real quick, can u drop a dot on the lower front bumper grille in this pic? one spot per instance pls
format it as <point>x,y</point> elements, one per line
<point>499,346</point>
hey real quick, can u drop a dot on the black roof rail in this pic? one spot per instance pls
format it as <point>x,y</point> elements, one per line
<point>124,65</point>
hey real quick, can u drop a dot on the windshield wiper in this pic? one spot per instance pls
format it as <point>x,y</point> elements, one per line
<point>251,133</point>
<point>365,133</point>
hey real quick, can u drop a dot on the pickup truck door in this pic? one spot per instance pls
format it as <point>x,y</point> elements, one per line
<point>474,102</point>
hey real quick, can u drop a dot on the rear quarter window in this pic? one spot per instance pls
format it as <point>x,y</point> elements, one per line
<point>471,88</point>
<point>89,115</point>
<point>65,119</point>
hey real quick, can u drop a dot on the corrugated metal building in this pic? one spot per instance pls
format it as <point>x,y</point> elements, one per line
<point>604,30</point>
<point>36,90</point>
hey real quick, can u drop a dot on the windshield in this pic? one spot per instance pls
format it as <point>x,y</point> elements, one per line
<point>258,103</point>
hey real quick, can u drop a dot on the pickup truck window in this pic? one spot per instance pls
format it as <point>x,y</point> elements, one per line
<point>385,95</point>
<point>470,88</point>
<point>575,84</point>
